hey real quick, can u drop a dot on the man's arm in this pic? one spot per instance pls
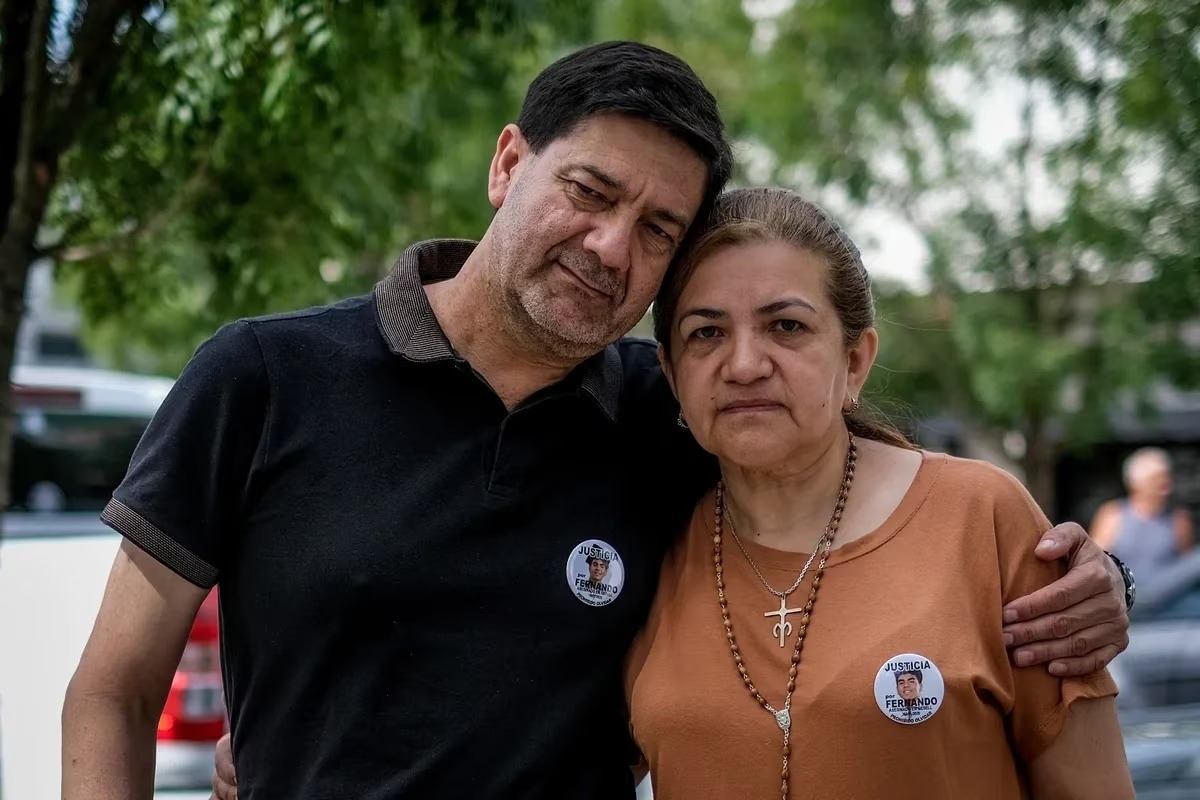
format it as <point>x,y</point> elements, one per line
<point>1185,535</point>
<point>1087,760</point>
<point>1079,623</point>
<point>116,696</point>
<point>1105,524</point>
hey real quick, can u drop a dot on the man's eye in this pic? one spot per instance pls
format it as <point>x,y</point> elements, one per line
<point>588,192</point>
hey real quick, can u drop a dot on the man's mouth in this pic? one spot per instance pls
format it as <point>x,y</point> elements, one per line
<point>587,286</point>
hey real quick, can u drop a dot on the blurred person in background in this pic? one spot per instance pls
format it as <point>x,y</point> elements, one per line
<point>1145,530</point>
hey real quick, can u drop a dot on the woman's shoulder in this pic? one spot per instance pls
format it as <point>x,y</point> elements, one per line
<point>979,480</point>
<point>989,499</point>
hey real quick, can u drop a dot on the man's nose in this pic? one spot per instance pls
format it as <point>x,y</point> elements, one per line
<point>609,239</point>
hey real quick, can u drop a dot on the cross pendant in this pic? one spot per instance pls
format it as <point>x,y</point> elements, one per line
<point>783,628</point>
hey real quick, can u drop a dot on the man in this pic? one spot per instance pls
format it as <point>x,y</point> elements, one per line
<point>1144,530</point>
<point>597,569</point>
<point>908,685</point>
<point>365,479</point>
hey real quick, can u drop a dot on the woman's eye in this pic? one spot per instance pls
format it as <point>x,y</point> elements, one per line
<point>789,326</point>
<point>707,332</point>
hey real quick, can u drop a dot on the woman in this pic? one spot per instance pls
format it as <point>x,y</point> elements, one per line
<point>830,624</point>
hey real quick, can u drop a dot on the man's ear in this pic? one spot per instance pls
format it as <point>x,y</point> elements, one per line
<point>511,150</point>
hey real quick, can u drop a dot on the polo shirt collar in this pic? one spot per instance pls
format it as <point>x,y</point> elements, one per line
<point>408,325</point>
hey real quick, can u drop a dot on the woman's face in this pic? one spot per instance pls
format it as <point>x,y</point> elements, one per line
<point>759,362</point>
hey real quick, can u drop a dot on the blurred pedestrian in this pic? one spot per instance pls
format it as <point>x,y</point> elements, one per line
<point>1146,529</point>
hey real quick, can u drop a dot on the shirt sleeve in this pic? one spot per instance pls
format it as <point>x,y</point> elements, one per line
<point>183,495</point>
<point>1041,700</point>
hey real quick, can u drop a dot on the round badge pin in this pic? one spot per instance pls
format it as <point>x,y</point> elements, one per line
<point>595,573</point>
<point>909,688</point>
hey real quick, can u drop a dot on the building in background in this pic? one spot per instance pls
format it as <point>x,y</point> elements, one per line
<point>50,332</point>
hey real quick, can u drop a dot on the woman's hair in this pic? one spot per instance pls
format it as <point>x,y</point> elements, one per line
<point>742,216</point>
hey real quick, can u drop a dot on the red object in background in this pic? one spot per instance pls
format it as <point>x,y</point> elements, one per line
<point>195,707</point>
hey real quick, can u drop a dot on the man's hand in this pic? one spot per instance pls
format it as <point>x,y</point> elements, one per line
<point>1078,623</point>
<point>224,781</point>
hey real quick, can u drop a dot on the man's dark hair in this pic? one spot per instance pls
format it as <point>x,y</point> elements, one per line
<point>916,673</point>
<point>634,80</point>
<point>603,561</point>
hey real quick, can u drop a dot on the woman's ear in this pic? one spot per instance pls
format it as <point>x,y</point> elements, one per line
<point>665,363</point>
<point>860,359</point>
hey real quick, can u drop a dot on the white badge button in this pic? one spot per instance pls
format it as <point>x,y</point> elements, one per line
<point>595,573</point>
<point>909,688</point>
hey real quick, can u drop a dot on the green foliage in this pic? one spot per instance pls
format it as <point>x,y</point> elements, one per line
<point>262,156</point>
<point>259,155</point>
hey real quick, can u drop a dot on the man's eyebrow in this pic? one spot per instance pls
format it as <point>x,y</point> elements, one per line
<point>602,176</point>
<point>667,215</point>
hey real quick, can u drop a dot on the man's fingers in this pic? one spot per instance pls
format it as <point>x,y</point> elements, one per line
<point>1082,581</point>
<point>222,790</point>
<point>224,780</point>
<point>1075,667</point>
<point>1061,541</point>
<point>1076,647</point>
<point>1099,610</point>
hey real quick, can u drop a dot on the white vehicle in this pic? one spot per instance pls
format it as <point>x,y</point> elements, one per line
<point>74,431</point>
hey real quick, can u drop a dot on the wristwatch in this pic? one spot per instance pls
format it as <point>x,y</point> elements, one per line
<point>1130,583</point>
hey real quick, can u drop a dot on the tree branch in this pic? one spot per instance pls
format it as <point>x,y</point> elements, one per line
<point>91,66</point>
<point>142,230</point>
<point>76,226</point>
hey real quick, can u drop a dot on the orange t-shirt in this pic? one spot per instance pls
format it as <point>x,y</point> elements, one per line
<point>919,598</point>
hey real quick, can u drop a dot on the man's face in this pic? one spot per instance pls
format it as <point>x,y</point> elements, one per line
<point>908,686</point>
<point>597,570</point>
<point>1152,477</point>
<point>585,230</point>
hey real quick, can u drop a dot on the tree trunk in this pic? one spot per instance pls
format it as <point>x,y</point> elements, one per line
<point>1039,466</point>
<point>16,253</point>
<point>41,120</point>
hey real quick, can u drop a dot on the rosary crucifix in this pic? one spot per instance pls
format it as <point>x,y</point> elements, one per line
<point>783,628</point>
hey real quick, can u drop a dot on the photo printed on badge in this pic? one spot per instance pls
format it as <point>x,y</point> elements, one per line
<point>595,573</point>
<point>909,688</point>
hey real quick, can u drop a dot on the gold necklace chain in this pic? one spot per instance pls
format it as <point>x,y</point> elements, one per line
<point>753,566</point>
<point>783,717</point>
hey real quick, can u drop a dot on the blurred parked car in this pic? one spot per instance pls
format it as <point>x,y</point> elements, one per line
<point>193,717</point>
<point>53,568</point>
<point>74,431</point>
<point>1161,667</point>
<point>1163,748</point>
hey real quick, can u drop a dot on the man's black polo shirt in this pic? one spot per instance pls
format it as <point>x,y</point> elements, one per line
<point>403,564</point>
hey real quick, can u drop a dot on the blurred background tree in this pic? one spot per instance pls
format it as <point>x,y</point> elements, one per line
<point>235,157</point>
